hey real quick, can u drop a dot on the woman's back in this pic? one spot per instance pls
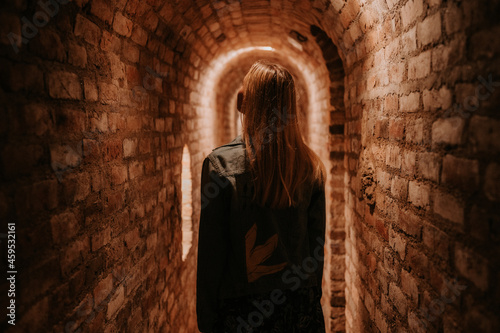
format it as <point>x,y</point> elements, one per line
<point>262,223</point>
<point>249,250</point>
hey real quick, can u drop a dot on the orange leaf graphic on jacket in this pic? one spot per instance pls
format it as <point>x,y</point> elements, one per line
<point>256,256</point>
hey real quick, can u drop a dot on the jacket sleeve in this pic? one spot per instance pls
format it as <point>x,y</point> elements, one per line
<point>316,228</point>
<point>213,242</point>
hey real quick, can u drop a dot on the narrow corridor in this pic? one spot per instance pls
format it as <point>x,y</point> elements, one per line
<point>108,109</point>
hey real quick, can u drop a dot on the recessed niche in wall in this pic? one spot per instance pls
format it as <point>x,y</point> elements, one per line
<point>187,203</point>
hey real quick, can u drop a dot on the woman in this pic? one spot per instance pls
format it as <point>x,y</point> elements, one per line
<point>262,222</point>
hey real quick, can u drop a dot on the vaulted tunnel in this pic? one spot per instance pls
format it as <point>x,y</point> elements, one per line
<point>110,107</point>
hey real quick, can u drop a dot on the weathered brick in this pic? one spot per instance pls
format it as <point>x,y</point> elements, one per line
<point>129,147</point>
<point>419,66</point>
<point>449,207</point>
<point>122,25</point>
<point>393,157</point>
<point>453,18</point>
<point>409,286</point>
<point>102,10</point>
<point>448,131</point>
<point>410,102</point>
<point>77,55</point>
<point>399,188</point>
<point>89,31</point>
<point>437,99</point>
<point>396,129</point>
<point>429,30</point>
<point>398,243</point>
<point>74,254</point>
<point>411,11</point>
<point>103,290</point>
<point>461,173</point>
<point>64,227</point>
<point>418,194</point>
<point>111,43</point>
<point>118,174</point>
<point>415,131</point>
<point>429,166</point>
<point>64,85</point>
<point>100,238</point>
<point>436,240</point>
<point>116,302</point>
<point>492,182</point>
<point>398,298</point>
<point>484,134</point>
<point>472,266</point>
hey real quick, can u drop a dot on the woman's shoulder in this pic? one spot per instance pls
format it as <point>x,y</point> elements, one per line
<point>229,158</point>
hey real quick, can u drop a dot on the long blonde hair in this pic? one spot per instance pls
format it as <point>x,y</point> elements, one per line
<point>280,161</point>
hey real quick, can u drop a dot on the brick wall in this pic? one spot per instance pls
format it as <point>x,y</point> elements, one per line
<point>95,116</point>
<point>100,97</point>
<point>422,234</point>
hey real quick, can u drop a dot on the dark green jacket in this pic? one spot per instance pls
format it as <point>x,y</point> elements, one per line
<point>245,248</point>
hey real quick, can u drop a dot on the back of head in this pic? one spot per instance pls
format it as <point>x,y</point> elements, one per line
<point>280,161</point>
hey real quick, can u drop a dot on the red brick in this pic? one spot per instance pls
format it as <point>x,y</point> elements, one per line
<point>139,35</point>
<point>122,25</point>
<point>415,131</point>
<point>448,131</point>
<point>393,157</point>
<point>77,55</point>
<point>74,255</point>
<point>110,42</point>
<point>411,11</point>
<point>129,147</point>
<point>429,165</point>
<point>453,19</point>
<point>409,286</point>
<point>64,85</point>
<point>99,123</point>
<point>436,240</point>
<point>37,118</point>
<point>108,93</point>
<point>398,243</point>
<point>410,102</point>
<point>64,157</point>
<point>398,298</point>
<point>429,30</point>
<point>100,239</point>
<point>408,162</point>
<point>460,173</point>
<point>418,194</point>
<point>135,169</point>
<point>113,202</point>
<point>103,290</point>
<point>419,66</point>
<point>437,99</point>
<point>399,188</point>
<point>484,134</point>
<point>396,129</point>
<point>116,302</point>
<point>112,149</point>
<point>417,261</point>
<point>492,182</point>
<point>88,30</point>
<point>118,174</point>
<point>76,187</point>
<point>472,266</point>
<point>449,207</point>
<point>116,122</point>
<point>132,239</point>
<point>102,10</point>
<point>48,45</point>
<point>90,90</point>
